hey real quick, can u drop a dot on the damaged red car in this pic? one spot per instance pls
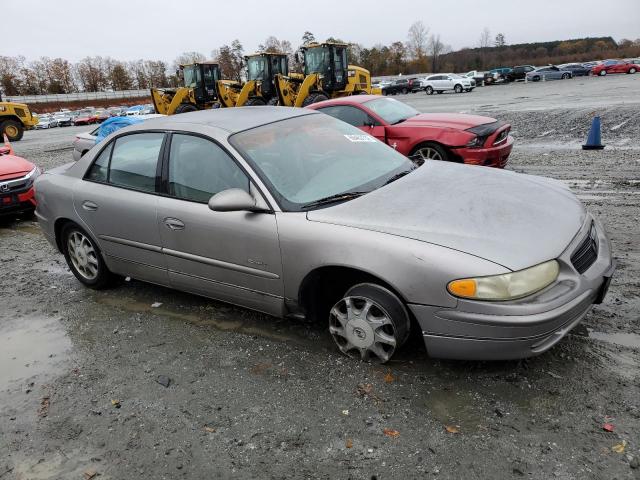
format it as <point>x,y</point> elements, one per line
<point>17,175</point>
<point>455,137</point>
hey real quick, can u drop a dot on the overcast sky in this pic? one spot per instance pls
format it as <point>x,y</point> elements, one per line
<point>162,29</point>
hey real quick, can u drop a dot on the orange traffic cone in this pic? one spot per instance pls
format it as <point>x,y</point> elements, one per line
<point>8,145</point>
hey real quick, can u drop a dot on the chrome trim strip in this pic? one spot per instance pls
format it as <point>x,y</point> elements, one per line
<point>131,243</point>
<point>210,280</point>
<point>116,257</point>
<point>220,264</point>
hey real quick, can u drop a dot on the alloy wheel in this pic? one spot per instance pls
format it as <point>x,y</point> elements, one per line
<point>362,328</point>
<point>428,153</point>
<point>83,256</point>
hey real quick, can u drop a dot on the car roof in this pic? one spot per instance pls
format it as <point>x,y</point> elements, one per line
<point>230,119</point>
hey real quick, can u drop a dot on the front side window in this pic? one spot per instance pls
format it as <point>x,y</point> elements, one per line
<point>390,110</point>
<point>316,60</point>
<point>308,158</point>
<point>198,169</point>
<point>352,115</point>
<point>256,68</point>
<point>189,74</point>
<point>134,161</point>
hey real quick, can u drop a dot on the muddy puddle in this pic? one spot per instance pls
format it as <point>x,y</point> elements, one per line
<point>29,227</point>
<point>31,346</point>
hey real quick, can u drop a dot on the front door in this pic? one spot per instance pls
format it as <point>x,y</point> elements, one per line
<point>118,204</point>
<point>358,118</point>
<point>230,256</point>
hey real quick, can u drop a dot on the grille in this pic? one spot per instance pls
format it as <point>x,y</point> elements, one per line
<point>587,252</point>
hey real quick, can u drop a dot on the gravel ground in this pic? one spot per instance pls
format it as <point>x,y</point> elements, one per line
<point>104,383</point>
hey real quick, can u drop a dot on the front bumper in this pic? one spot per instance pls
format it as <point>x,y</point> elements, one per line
<point>522,328</point>
<point>17,202</point>
<point>494,156</point>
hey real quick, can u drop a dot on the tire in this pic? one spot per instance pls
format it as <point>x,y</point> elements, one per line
<point>185,108</point>
<point>457,88</point>
<point>565,76</point>
<point>385,93</point>
<point>255,102</point>
<point>536,78</point>
<point>430,151</point>
<point>405,91</point>
<point>13,129</point>
<point>86,264</point>
<point>273,101</point>
<point>602,73</point>
<point>429,90</point>
<point>369,322</point>
<point>632,70</point>
<point>314,98</point>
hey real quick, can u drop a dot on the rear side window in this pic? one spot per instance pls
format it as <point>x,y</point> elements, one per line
<point>99,170</point>
<point>198,169</point>
<point>134,161</point>
<point>352,115</point>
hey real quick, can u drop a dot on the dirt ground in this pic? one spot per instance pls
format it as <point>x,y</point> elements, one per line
<point>105,383</point>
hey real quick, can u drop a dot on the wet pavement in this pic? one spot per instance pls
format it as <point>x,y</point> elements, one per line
<point>106,383</point>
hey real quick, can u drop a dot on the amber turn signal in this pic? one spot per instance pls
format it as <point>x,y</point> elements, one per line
<point>463,288</point>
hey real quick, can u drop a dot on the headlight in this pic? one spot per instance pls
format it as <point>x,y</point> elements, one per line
<point>32,175</point>
<point>477,142</point>
<point>508,286</point>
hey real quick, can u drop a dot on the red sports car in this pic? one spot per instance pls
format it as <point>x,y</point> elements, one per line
<point>615,66</point>
<point>84,119</point>
<point>454,137</point>
<point>16,183</point>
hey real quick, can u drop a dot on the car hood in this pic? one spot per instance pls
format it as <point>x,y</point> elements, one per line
<point>458,121</point>
<point>12,166</point>
<point>511,219</point>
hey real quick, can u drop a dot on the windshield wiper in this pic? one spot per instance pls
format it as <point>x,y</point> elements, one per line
<point>399,175</point>
<point>339,197</point>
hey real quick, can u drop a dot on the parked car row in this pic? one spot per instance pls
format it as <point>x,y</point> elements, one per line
<point>89,115</point>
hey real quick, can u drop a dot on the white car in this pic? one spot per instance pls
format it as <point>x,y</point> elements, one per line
<point>447,81</point>
<point>46,121</point>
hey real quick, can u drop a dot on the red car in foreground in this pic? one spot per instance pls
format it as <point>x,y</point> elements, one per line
<point>455,137</point>
<point>613,66</point>
<point>16,183</point>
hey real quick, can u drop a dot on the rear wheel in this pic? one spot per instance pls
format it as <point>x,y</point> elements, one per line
<point>186,108</point>
<point>602,73</point>
<point>536,78</point>
<point>84,258</point>
<point>565,76</point>
<point>430,151</point>
<point>457,88</point>
<point>429,90</point>
<point>12,129</point>
<point>369,322</point>
<point>255,102</point>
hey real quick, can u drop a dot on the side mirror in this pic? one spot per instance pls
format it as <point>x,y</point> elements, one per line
<point>233,200</point>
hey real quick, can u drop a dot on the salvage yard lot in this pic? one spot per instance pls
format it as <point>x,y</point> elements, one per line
<point>250,396</point>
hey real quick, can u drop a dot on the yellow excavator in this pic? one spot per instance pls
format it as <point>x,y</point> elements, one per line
<point>260,88</point>
<point>327,74</point>
<point>200,90</point>
<point>15,118</point>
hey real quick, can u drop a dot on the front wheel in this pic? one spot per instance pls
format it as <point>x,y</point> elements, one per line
<point>369,322</point>
<point>429,151</point>
<point>429,90</point>
<point>602,73</point>
<point>186,108</point>
<point>457,88</point>
<point>273,101</point>
<point>12,129</point>
<point>84,258</point>
<point>255,102</point>
<point>314,98</point>
<point>565,76</point>
<point>632,70</point>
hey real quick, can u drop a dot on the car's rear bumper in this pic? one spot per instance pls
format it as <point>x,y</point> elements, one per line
<point>523,328</point>
<point>496,156</point>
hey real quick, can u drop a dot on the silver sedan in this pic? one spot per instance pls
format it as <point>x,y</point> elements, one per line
<point>294,213</point>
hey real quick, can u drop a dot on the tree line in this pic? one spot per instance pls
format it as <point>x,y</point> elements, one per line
<point>422,51</point>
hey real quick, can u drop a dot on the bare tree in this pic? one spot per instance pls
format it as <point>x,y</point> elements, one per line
<point>484,43</point>
<point>187,58</point>
<point>435,48</point>
<point>500,40</point>
<point>231,60</point>
<point>417,39</point>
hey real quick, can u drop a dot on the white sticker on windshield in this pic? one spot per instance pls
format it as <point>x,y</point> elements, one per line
<point>360,138</point>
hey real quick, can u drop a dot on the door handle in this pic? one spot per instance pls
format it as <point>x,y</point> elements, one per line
<point>89,206</point>
<point>173,224</point>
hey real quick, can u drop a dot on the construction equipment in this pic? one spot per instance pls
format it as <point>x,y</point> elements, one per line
<point>15,118</point>
<point>198,93</point>
<point>260,88</point>
<point>327,74</point>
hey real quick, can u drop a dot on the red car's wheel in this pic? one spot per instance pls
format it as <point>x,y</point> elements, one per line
<point>632,70</point>
<point>602,73</point>
<point>429,151</point>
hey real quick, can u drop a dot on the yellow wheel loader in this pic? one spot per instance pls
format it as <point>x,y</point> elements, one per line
<point>198,93</point>
<point>15,118</point>
<point>259,89</point>
<point>327,74</point>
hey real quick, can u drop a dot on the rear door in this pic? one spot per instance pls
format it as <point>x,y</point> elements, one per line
<point>117,201</point>
<point>230,256</point>
<point>358,118</point>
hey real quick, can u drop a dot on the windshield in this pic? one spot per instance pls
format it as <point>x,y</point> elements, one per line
<point>305,159</point>
<point>390,110</point>
<point>190,76</point>
<point>256,68</point>
<point>316,60</point>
